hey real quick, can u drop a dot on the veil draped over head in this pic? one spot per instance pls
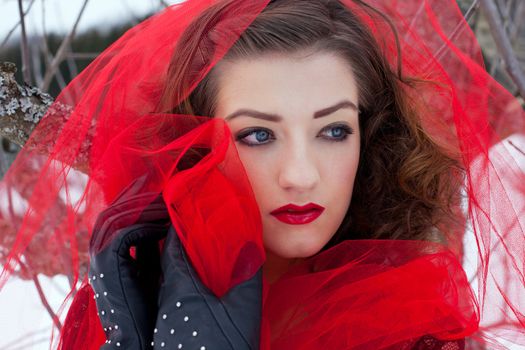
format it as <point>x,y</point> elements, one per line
<point>107,129</point>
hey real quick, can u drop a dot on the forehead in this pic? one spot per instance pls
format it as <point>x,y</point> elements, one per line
<point>285,84</point>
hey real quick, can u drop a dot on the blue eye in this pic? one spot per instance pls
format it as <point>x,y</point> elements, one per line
<point>255,136</point>
<point>337,132</point>
<point>262,136</point>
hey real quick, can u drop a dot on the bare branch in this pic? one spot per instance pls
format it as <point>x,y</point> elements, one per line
<point>37,64</point>
<point>21,107</point>
<point>470,12</point>
<point>516,147</point>
<point>71,64</point>
<point>503,43</point>
<point>510,22</point>
<point>54,317</point>
<point>46,53</point>
<point>24,46</point>
<point>62,51</point>
<point>6,39</point>
<point>44,48</point>
<point>48,58</point>
<point>517,20</point>
<point>83,55</point>
<point>43,299</point>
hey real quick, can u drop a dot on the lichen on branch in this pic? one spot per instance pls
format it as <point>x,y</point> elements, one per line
<point>21,106</point>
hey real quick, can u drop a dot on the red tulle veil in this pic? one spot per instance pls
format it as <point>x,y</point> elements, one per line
<point>104,131</point>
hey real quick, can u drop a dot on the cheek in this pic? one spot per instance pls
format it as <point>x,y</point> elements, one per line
<point>259,167</point>
<point>339,171</point>
<point>339,186</point>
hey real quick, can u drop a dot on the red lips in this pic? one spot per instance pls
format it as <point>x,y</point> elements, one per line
<point>298,215</point>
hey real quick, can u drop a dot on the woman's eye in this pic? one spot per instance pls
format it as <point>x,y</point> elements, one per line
<point>255,137</point>
<point>336,132</point>
<point>261,136</point>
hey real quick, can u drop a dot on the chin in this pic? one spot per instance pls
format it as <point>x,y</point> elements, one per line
<point>291,251</point>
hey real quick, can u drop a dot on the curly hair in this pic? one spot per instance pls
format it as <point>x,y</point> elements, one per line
<point>407,186</point>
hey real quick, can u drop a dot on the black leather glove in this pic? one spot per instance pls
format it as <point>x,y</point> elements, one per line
<point>190,316</point>
<point>126,288</point>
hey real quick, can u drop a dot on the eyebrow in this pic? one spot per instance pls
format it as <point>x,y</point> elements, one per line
<point>276,118</point>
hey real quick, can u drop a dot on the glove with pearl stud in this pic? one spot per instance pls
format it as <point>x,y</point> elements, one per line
<point>190,316</point>
<point>126,287</point>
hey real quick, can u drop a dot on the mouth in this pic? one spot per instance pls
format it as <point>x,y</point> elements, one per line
<point>298,215</point>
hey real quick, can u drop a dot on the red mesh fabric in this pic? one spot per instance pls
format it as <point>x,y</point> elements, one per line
<point>82,332</point>
<point>100,131</point>
<point>104,131</point>
<point>370,295</point>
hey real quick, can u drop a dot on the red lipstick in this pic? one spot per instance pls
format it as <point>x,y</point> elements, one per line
<point>298,215</point>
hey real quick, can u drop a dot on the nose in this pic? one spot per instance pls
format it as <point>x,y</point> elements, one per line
<point>298,169</point>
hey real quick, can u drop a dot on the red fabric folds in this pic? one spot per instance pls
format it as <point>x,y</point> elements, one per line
<point>107,142</point>
<point>370,295</point>
<point>105,130</point>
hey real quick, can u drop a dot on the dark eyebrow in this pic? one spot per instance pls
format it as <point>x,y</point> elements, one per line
<point>276,118</point>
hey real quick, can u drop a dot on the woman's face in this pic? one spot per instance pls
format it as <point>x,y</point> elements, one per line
<point>295,123</point>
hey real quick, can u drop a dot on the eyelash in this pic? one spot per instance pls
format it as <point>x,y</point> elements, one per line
<point>347,130</point>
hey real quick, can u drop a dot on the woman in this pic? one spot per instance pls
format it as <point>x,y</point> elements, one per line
<point>343,185</point>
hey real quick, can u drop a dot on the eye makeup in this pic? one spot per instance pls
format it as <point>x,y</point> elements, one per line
<point>343,130</point>
<point>259,136</point>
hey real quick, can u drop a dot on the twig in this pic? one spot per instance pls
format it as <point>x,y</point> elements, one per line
<point>509,21</point>
<point>517,20</point>
<point>516,147</point>
<point>6,39</point>
<point>503,12</point>
<point>62,51</point>
<point>43,299</point>
<point>83,55</point>
<point>58,74</point>
<point>71,64</point>
<point>26,64</point>
<point>468,14</point>
<point>37,64</point>
<point>504,45</point>
<point>39,77</point>
<point>471,10</point>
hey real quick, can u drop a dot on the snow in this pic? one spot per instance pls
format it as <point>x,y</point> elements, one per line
<point>24,322</point>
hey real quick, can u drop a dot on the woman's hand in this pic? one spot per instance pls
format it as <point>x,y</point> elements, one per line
<point>191,317</point>
<point>126,287</point>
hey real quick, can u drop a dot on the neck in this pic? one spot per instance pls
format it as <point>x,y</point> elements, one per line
<point>275,266</point>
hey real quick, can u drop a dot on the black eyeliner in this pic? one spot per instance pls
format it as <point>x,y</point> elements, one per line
<point>348,130</point>
<point>248,131</point>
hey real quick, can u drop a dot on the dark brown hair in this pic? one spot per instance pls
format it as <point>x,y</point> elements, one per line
<point>407,187</point>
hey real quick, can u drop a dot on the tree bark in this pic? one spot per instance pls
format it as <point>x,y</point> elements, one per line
<point>21,106</point>
<point>504,45</point>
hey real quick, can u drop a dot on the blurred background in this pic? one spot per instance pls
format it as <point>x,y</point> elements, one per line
<point>51,41</point>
